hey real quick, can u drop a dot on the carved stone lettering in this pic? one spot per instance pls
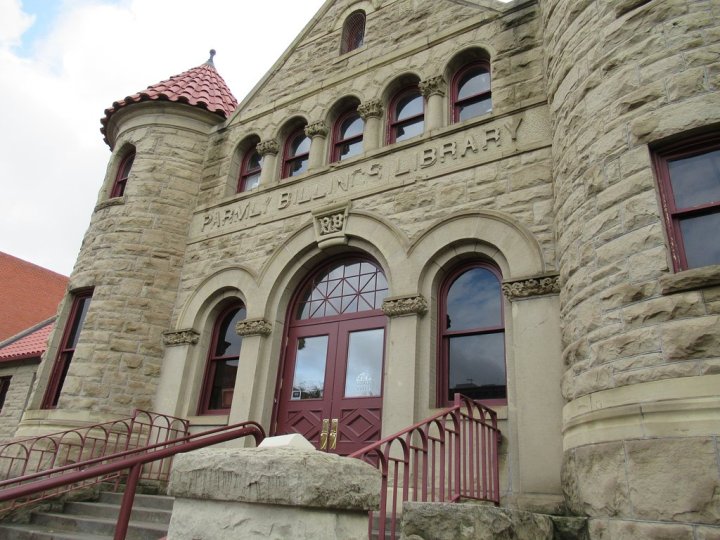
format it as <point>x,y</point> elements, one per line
<point>331,224</point>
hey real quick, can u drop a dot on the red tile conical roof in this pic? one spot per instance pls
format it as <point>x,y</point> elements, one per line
<point>201,86</point>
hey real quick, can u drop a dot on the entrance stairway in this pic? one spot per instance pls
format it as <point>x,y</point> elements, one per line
<point>149,520</point>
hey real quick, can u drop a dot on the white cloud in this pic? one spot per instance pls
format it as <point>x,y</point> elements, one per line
<point>13,22</point>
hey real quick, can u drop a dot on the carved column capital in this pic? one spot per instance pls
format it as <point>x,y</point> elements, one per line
<point>253,327</point>
<point>188,336</point>
<point>398,306</point>
<point>370,109</point>
<point>270,146</point>
<point>433,86</point>
<point>534,286</point>
<point>316,129</point>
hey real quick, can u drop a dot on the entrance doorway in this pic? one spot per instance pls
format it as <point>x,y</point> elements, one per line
<point>330,389</point>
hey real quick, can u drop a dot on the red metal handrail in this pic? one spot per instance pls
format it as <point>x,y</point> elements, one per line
<point>133,460</point>
<point>34,454</point>
<point>450,456</point>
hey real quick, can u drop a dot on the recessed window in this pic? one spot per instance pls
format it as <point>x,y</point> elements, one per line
<point>472,335</point>
<point>348,136</point>
<point>407,115</point>
<point>74,326</point>
<point>353,35</point>
<point>471,92</point>
<point>250,171</point>
<point>689,180</point>
<point>222,363</point>
<point>121,178</point>
<point>4,387</point>
<point>297,153</point>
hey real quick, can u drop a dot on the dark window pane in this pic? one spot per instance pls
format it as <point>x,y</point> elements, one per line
<point>364,363</point>
<point>472,109</point>
<point>254,162</point>
<point>409,106</point>
<point>474,301</point>
<point>223,384</point>
<point>300,145</point>
<point>348,150</point>
<point>475,81</point>
<point>696,180</point>
<point>228,343</point>
<point>351,127</point>
<point>298,166</point>
<point>251,182</point>
<point>309,378</point>
<point>410,130</point>
<point>477,366</point>
<point>82,308</point>
<point>697,233</point>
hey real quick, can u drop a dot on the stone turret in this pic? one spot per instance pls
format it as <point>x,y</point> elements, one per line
<point>641,347</point>
<point>133,250</point>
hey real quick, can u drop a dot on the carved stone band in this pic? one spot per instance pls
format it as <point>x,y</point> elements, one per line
<point>180,337</point>
<point>316,129</point>
<point>269,146</point>
<point>253,327</point>
<point>405,305</point>
<point>432,86</point>
<point>537,286</point>
<point>370,109</point>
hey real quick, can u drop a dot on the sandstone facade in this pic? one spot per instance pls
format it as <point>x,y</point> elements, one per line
<point>612,354</point>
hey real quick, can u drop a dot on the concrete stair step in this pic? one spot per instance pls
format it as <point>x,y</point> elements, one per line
<point>149,520</point>
<point>106,510</point>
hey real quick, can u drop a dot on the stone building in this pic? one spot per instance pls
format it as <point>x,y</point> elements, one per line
<point>518,202</point>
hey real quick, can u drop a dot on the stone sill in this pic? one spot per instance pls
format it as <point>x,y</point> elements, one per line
<point>688,280</point>
<point>116,201</point>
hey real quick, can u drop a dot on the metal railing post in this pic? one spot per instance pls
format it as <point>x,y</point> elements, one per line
<point>127,502</point>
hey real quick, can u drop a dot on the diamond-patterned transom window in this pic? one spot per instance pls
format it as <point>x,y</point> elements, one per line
<point>346,287</point>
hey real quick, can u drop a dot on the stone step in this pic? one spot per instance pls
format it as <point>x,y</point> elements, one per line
<point>98,509</point>
<point>160,502</point>
<point>149,520</point>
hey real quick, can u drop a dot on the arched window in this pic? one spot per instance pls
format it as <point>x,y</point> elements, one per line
<point>221,368</point>
<point>250,171</point>
<point>471,91</point>
<point>296,154</point>
<point>472,335</point>
<point>353,34</point>
<point>407,115</point>
<point>118,187</point>
<point>348,136</point>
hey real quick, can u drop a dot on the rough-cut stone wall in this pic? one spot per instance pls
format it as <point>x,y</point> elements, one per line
<point>23,375</point>
<point>132,254</point>
<point>622,74</point>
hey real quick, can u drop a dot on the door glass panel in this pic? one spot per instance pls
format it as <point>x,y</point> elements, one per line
<point>309,378</point>
<point>364,363</point>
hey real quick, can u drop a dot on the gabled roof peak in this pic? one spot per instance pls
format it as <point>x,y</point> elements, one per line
<point>201,86</point>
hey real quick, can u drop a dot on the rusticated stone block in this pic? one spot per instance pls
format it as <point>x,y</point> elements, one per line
<point>693,338</point>
<point>674,479</point>
<point>663,309</point>
<point>594,481</point>
<point>451,521</point>
<point>613,529</point>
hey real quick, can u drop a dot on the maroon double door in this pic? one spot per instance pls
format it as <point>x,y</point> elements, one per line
<point>330,389</point>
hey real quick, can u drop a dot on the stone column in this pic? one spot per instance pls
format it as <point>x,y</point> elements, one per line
<point>268,149</point>
<point>317,131</point>
<point>433,89</point>
<point>246,401</point>
<point>371,112</point>
<point>537,355</point>
<point>400,386</point>
<point>178,344</point>
<point>271,493</point>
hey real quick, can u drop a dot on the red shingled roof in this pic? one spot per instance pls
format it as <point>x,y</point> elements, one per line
<point>31,345</point>
<point>29,294</point>
<point>201,86</point>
